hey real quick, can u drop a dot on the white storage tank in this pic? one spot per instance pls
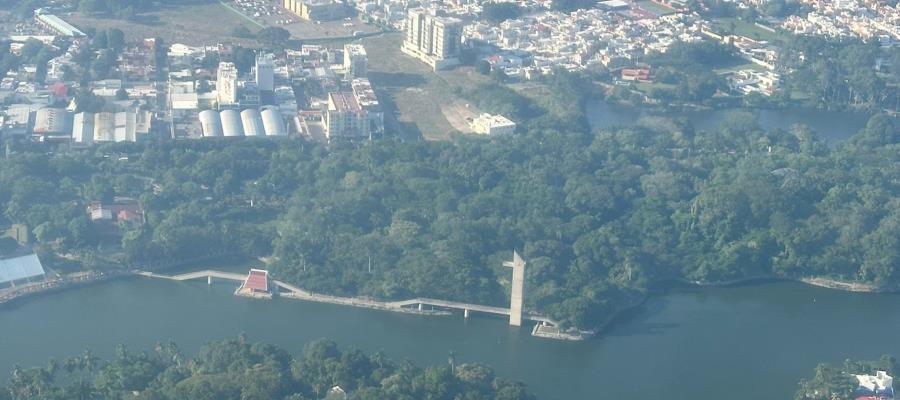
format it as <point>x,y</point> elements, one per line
<point>252,122</point>
<point>273,123</point>
<point>231,123</point>
<point>211,124</point>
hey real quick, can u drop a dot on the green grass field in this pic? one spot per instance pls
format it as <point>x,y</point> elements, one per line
<point>647,87</point>
<point>738,67</point>
<point>744,28</point>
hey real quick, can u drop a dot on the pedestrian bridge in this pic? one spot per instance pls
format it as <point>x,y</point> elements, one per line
<point>417,305</point>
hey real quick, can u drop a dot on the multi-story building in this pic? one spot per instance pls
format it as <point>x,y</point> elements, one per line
<point>368,102</point>
<point>316,10</point>
<point>226,84</point>
<point>487,124</point>
<point>432,39</point>
<point>344,118</point>
<point>265,72</point>
<point>355,61</point>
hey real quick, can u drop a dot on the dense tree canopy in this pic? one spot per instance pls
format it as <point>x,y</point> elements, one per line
<point>831,382</point>
<point>600,216</point>
<point>235,369</point>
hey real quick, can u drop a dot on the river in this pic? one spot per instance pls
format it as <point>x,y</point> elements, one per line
<point>751,342</point>
<point>832,126</point>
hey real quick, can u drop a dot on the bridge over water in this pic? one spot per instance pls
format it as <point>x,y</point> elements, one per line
<point>417,305</point>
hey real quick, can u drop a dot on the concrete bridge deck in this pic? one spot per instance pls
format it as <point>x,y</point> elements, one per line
<point>411,305</point>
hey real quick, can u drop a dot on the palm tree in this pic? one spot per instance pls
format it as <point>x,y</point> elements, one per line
<point>451,359</point>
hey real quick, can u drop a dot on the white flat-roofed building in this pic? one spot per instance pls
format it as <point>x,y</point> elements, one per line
<point>878,386</point>
<point>49,122</point>
<point>487,124</point>
<point>17,269</point>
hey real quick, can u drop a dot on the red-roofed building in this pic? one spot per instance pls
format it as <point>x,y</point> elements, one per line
<point>637,74</point>
<point>257,281</point>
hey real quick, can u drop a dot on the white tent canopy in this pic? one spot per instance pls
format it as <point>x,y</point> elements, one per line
<point>14,269</point>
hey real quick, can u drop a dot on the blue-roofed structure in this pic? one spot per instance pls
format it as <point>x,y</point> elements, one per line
<point>17,269</point>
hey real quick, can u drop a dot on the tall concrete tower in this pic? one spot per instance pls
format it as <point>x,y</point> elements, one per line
<point>517,291</point>
<point>226,84</point>
<point>265,72</point>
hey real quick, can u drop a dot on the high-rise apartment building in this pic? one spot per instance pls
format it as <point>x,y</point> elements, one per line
<point>432,39</point>
<point>355,61</point>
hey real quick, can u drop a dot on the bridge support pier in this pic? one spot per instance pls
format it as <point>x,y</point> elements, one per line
<point>421,306</point>
<point>466,313</point>
<point>209,279</point>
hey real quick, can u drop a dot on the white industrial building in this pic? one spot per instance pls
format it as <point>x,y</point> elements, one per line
<point>50,122</point>
<point>83,128</point>
<point>231,123</point>
<point>252,123</point>
<point>56,24</point>
<point>487,124</point>
<point>210,123</point>
<point>123,126</point>
<point>273,123</point>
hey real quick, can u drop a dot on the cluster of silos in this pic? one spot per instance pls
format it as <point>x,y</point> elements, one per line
<point>250,122</point>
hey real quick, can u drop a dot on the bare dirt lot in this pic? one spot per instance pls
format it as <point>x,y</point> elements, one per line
<point>418,101</point>
<point>195,23</point>
<point>199,22</point>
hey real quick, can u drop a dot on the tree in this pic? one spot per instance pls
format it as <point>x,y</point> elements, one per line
<point>483,67</point>
<point>116,39</point>
<point>100,40</point>
<point>499,12</point>
<point>274,37</point>
<point>241,31</point>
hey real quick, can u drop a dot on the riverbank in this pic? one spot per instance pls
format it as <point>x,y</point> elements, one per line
<point>828,283</point>
<point>70,281</point>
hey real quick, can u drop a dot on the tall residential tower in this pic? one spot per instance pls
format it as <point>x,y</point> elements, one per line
<point>432,39</point>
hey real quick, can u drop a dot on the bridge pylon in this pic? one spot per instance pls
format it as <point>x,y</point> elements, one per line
<point>517,290</point>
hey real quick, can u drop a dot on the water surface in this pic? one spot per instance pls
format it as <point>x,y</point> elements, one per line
<point>751,343</point>
<point>832,126</point>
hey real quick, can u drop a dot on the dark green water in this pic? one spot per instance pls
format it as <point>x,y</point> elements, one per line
<point>752,342</point>
<point>831,126</point>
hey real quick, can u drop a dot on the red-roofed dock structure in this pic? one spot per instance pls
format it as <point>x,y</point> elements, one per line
<point>256,285</point>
